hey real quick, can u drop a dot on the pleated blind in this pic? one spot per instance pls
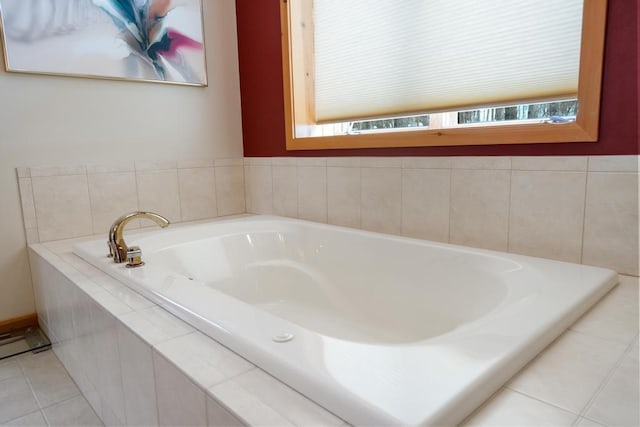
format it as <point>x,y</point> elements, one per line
<point>384,58</point>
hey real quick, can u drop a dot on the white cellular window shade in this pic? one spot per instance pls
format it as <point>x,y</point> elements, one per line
<point>388,58</point>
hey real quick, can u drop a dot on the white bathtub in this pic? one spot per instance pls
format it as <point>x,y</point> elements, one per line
<point>378,329</point>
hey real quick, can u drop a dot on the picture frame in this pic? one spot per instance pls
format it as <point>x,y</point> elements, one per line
<point>158,41</point>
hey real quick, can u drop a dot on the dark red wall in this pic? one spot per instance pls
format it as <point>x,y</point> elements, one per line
<point>263,109</point>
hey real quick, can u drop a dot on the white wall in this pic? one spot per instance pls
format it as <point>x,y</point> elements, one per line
<point>60,120</point>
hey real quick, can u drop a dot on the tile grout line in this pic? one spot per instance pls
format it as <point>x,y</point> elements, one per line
<point>606,380</point>
<point>403,198</point>
<point>33,393</point>
<point>584,210</point>
<point>86,180</point>
<point>509,207</point>
<point>35,208</point>
<point>155,384</point>
<point>541,401</point>
<point>180,213</point>
<point>298,191</point>
<point>212,170</point>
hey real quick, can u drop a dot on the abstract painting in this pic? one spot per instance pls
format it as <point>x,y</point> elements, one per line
<point>146,40</point>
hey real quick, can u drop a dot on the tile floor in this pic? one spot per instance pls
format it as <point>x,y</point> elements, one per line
<point>36,390</point>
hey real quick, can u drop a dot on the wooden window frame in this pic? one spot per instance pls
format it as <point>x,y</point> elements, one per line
<point>299,105</point>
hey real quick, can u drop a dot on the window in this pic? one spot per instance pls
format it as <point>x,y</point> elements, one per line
<point>552,97</point>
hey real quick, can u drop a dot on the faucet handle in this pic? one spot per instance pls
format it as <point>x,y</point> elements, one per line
<point>134,257</point>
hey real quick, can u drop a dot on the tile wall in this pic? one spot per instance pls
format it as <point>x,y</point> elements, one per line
<point>72,201</point>
<point>578,209</point>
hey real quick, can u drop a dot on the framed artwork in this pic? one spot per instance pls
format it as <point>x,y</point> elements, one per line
<point>137,40</point>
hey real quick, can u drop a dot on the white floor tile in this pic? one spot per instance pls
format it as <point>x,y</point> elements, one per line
<point>52,385</point>
<point>617,403</point>
<point>9,369</point>
<point>72,412</point>
<point>510,408</point>
<point>37,361</point>
<point>616,315</point>
<point>569,372</point>
<point>16,399</point>
<point>34,419</point>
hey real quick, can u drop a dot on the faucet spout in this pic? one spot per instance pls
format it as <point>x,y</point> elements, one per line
<point>117,246</point>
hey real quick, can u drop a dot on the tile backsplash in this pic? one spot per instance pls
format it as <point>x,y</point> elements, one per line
<point>71,201</point>
<point>575,208</point>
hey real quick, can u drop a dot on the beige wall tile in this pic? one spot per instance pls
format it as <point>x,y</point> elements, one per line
<point>481,162</point>
<point>311,161</point>
<point>28,206</point>
<point>550,163</point>
<point>218,416</point>
<point>197,193</point>
<point>285,191</point>
<point>143,165</point>
<point>229,162</point>
<point>32,236</point>
<point>158,193</point>
<point>112,195</point>
<point>39,171</point>
<point>312,193</point>
<point>180,402</point>
<point>611,222</point>
<point>257,161</point>
<point>62,206</point>
<point>343,196</point>
<point>425,203</point>
<point>253,410</point>
<point>480,208</point>
<point>381,162</point>
<point>381,199</point>
<point>427,162</point>
<point>23,172</point>
<point>613,163</point>
<point>547,211</point>
<point>111,167</point>
<point>258,189</point>
<point>284,161</point>
<point>230,190</point>
<point>344,162</point>
<point>195,163</point>
<point>138,381</point>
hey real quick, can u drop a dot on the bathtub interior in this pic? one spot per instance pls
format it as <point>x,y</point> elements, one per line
<point>364,289</point>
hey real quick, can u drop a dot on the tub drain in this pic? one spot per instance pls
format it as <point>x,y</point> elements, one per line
<point>283,337</point>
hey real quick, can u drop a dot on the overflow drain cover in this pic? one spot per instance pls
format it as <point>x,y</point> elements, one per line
<point>285,337</point>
